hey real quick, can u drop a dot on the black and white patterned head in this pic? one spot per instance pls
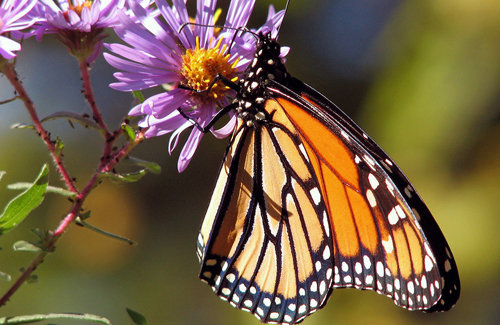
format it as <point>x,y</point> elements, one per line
<point>265,67</point>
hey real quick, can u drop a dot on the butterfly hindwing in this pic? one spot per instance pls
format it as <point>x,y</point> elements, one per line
<point>264,243</point>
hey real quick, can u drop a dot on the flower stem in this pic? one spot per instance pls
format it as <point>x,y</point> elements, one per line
<point>11,74</point>
<point>88,93</point>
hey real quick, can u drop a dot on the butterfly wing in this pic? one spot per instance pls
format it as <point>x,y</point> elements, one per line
<point>265,243</point>
<point>384,237</point>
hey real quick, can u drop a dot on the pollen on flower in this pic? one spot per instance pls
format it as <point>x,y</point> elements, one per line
<point>200,67</point>
<point>77,8</point>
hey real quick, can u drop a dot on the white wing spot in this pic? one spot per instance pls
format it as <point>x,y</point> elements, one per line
<point>302,292</point>
<point>392,217</point>
<point>397,284</point>
<point>345,267</point>
<point>373,181</point>
<point>225,266</point>
<point>329,274</point>
<point>254,84</point>
<point>380,269</point>
<point>325,224</point>
<point>277,300</point>
<point>389,162</point>
<point>336,278</point>
<point>369,279</point>
<point>347,279</point>
<point>253,290</point>
<point>248,303</point>
<point>266,302</point>
<point>226,291</point>
<point>370,162</point>
<point>411,287</point>
<point>274,315</point>
<point>357,281</point>
<point>242,287</point>
<point>367,262</point>
<point>287,318</point>
<point>314,286</point>
<point>292,307</point>
<point>424,299</point>
<point>303,150</point>
<point>358,268</point>
<point>326,253</point>
<point>388,245</point>
<point>236,299</point>
<point>302,309</point>
<point>390,187</point>
<point>313,303</point>
<point>389,287</point>
<point>428,263</point>
<point>322,287</point>
<point>318,266</point>
<point>400,212</point>
<point>316,196</point>
<point>345,135</point>
<point>231,277</point>
<point>357,160</point>
<point>371,198</point>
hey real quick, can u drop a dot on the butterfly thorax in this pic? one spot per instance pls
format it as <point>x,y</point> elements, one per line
<point>264,68</point>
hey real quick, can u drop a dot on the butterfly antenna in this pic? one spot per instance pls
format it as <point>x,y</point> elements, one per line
<point>284,15</point>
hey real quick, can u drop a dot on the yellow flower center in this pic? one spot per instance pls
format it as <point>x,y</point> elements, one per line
<point>200,67</point>
<point>78,8</point>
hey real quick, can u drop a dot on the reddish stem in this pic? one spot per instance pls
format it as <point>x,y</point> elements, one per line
<point>11,74</point>
<point>88,93</point>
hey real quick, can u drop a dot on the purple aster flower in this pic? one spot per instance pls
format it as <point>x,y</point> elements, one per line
<point>13,18</point>
<point>78,23</point>
<point>160,55</point>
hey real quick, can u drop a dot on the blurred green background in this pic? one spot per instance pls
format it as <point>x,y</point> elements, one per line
<point>421,77</point>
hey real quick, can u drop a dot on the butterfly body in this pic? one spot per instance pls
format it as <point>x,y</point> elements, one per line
<point>306,202</point>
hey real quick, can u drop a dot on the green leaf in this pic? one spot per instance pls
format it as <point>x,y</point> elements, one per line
<point>26,246</point>
<point>82,119</point>
<point>149,165</point>
<point>136,317</point>
<point>127,177</point>
<point>31,319</point>
<point>19,207</point>
<point>80,221</point>
<point>22,126</point>
<point>50,189</point>
<point>129,132</point>
<point>138,95</point>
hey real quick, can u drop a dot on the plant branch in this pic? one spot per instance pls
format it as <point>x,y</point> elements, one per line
<point>11,74</point>
<point>88,93</point>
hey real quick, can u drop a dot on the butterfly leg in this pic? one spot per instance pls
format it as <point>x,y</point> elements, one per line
<point>214,119</point>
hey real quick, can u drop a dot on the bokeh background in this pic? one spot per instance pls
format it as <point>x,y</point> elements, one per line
<point>421,77</point>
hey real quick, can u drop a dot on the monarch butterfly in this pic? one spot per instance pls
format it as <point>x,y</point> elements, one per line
<point>306,202</point>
